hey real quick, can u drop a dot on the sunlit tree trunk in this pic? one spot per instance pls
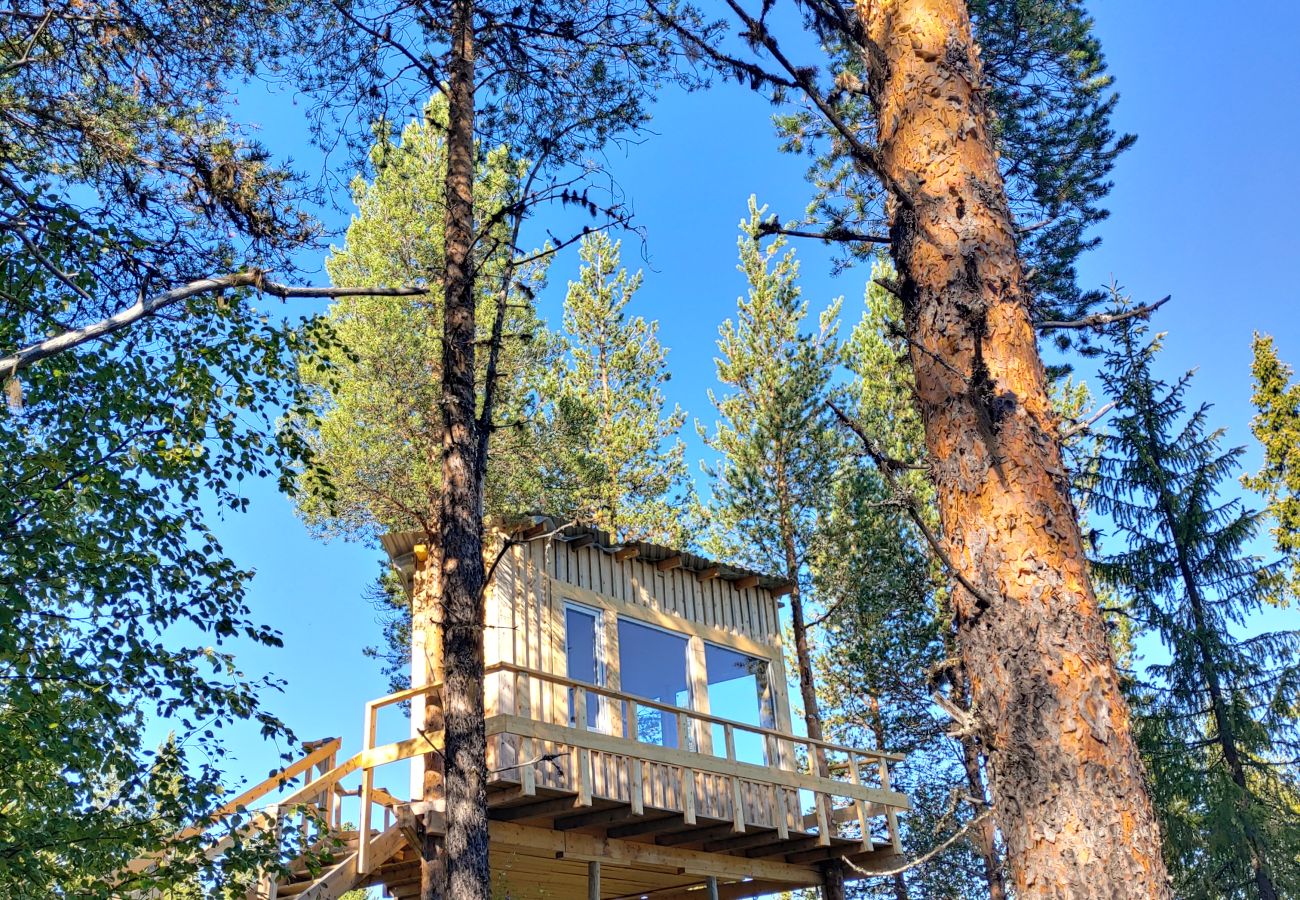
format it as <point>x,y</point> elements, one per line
<point>460,517</point>
<point>1064,773</point>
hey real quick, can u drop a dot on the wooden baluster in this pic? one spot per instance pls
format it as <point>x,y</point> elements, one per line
<point>856,777</point>
<point>891,817</point>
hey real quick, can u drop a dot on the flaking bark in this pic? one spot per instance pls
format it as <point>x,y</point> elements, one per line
<point>1064,773</point>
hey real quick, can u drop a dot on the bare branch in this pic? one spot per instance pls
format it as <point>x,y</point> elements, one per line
<point>1100,319</point>
<point>149,306</point>
<point>1080,427</point>
<point>889,469</point>
<point>833,233</point>
<point>926,857</point>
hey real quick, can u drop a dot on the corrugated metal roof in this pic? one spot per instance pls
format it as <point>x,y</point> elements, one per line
<point>400,546</point>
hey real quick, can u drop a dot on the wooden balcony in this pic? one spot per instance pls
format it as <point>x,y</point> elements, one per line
<point>577,812</point>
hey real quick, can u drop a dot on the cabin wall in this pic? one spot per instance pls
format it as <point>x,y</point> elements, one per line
<point>525,626</point>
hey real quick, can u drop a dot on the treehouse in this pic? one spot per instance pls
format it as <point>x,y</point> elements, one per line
<point>640,743</point>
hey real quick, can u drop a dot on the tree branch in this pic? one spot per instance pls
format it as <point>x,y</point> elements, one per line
<point>888,467</point>
<point>1100,319</point>
<point>149,306</point>
<point>1080,427</point>
<point>836,233</point>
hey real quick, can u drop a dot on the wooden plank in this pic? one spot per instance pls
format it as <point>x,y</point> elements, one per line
<point>709,574</point>
<point>544,809</point>
<point>694,836</point>
<point>647,826</point>
<point>745,583</point>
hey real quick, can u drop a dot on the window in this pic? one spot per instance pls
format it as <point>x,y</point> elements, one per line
<point>583,656</point>
<point>652,663</point>
<point>740,690</point>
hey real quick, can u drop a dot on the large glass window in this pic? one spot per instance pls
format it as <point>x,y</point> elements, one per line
<point>739,690</point>
<point>652,663</point>
<point>582,656</point>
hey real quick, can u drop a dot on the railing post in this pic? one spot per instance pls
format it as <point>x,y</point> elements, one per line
<point>856,777</point>
<point>737,797</point>
<point>367,786</point>
<point>891,817</point>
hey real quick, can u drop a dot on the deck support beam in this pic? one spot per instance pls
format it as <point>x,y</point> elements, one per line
<point>593,880</point>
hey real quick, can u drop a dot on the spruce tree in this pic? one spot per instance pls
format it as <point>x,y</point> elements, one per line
<point>633,462</point>
<point>1277,428</point>
<point>1217,711</point>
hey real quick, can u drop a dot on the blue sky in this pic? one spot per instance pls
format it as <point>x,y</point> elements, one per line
<point>1204,209</point>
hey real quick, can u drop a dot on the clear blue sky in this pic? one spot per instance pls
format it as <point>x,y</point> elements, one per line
<point>1204,209</point>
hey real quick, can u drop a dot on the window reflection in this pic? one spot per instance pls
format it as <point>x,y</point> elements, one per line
<point>739,689</point>
<point>652,663</point>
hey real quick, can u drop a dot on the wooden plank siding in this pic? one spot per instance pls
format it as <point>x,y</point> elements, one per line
<point>526,603</point>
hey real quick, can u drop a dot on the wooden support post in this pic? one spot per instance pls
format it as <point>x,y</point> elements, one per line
<point>527,747</point>
<point>593,880</point>
<point>367,788</point>
<point>891,817</point>
<point>712,883</point>
<point>780,813</point>
<point>822,803</point>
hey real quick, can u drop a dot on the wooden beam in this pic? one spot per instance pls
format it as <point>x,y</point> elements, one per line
<point>672,562</point>
<point>782,589</point>
<point>793,846</point>
<point>603,817</point>
<point>533,531</point>
<point>546,808</point>
<point>743,842</point>
<point>695,835</point>
<point>745,583</point>
<point>648,826</point>
<point>626,552</point>
<point>593,880</point>
<point>582,540</point>
<point>709,574</point>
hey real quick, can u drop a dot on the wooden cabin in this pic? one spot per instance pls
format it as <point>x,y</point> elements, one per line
<point>640,740</point>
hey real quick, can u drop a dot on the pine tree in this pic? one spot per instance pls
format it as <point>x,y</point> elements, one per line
<point>373,422</point>
<point>778,444</point>
<point>1277,428</point>
<point>905,107</point>
<point>634,464</point>
<point>1219,714</point>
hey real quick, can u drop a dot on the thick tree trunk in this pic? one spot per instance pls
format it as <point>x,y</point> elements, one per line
<point>1064,772</point>
<point>460,515</point>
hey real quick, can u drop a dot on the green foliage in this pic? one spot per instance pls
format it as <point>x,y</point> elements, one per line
<point>375,417</point>
<point>1217,714</point>
<point>123,175</point>
<point>630,465</point>
<point>1277,428</point>
<point>778,444</point>
<point>1051,99</point>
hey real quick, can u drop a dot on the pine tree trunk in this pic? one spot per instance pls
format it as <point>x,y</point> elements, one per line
<point>460,515</point>
<point>426,657</point>
<point>1064,772</point>
<point>833,871</point>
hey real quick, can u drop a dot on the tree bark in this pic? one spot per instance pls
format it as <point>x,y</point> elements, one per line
<point>460,514</point>
<point>1064,773</point>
